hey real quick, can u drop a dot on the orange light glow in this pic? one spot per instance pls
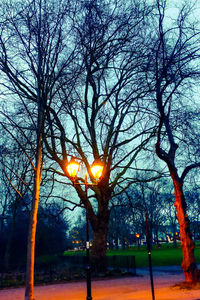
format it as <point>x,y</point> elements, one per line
<point>73,168</point>
<point>97,169</point>
<point>137,235</point>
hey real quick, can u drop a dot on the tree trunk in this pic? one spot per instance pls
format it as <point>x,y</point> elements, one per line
<point>99,246</point>
<point>99,250</point>
<point>188,264</point>
<point>32,232</point>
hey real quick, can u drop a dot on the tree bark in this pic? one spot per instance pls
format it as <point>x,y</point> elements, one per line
<point>99,246</point>
<point>99,243</point>
<point>31,243</point>
<point>188,264</point>
<point>32,231</point>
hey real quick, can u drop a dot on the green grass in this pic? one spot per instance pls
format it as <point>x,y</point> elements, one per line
<point>164,256</point>
<point>72,253</point>
<point>160,257</point>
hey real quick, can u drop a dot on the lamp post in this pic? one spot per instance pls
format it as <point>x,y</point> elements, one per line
<point>149,255</point>
<point>137,235</point>
<point>96,170</point>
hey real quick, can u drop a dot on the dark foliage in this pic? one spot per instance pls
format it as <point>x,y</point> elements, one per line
<point>50,237</point>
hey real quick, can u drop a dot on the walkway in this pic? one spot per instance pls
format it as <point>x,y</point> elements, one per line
<point>132,288</point>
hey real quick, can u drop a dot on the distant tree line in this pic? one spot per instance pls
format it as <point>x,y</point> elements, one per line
<point>128,216</point>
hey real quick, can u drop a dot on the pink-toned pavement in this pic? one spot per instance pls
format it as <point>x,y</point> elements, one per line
<point>130,288</point>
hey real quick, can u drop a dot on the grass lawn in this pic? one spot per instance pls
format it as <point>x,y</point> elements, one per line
<point>160,257</point>
<point>164,256</point>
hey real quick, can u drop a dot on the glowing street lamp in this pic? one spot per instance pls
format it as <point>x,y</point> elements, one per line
<point>73,168</point>
<point>96,170</point>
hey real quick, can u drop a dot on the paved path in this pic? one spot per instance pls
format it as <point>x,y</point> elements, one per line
<point>131,288</point>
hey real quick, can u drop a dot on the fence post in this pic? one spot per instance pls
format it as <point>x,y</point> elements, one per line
<point>127,263</point>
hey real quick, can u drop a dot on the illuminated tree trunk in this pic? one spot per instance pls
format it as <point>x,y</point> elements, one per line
<point>188,264</point>
<point>32,230</point>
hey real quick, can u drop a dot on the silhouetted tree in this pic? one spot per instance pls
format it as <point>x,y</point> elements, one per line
<point>98,114</point>
<point>31,61</point>
<point>172,73</point>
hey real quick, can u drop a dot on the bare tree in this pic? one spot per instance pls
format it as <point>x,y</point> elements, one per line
<point>97,115</point>
<point>173,72</point>
<point>31,62</point>
<point>149,197</point>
